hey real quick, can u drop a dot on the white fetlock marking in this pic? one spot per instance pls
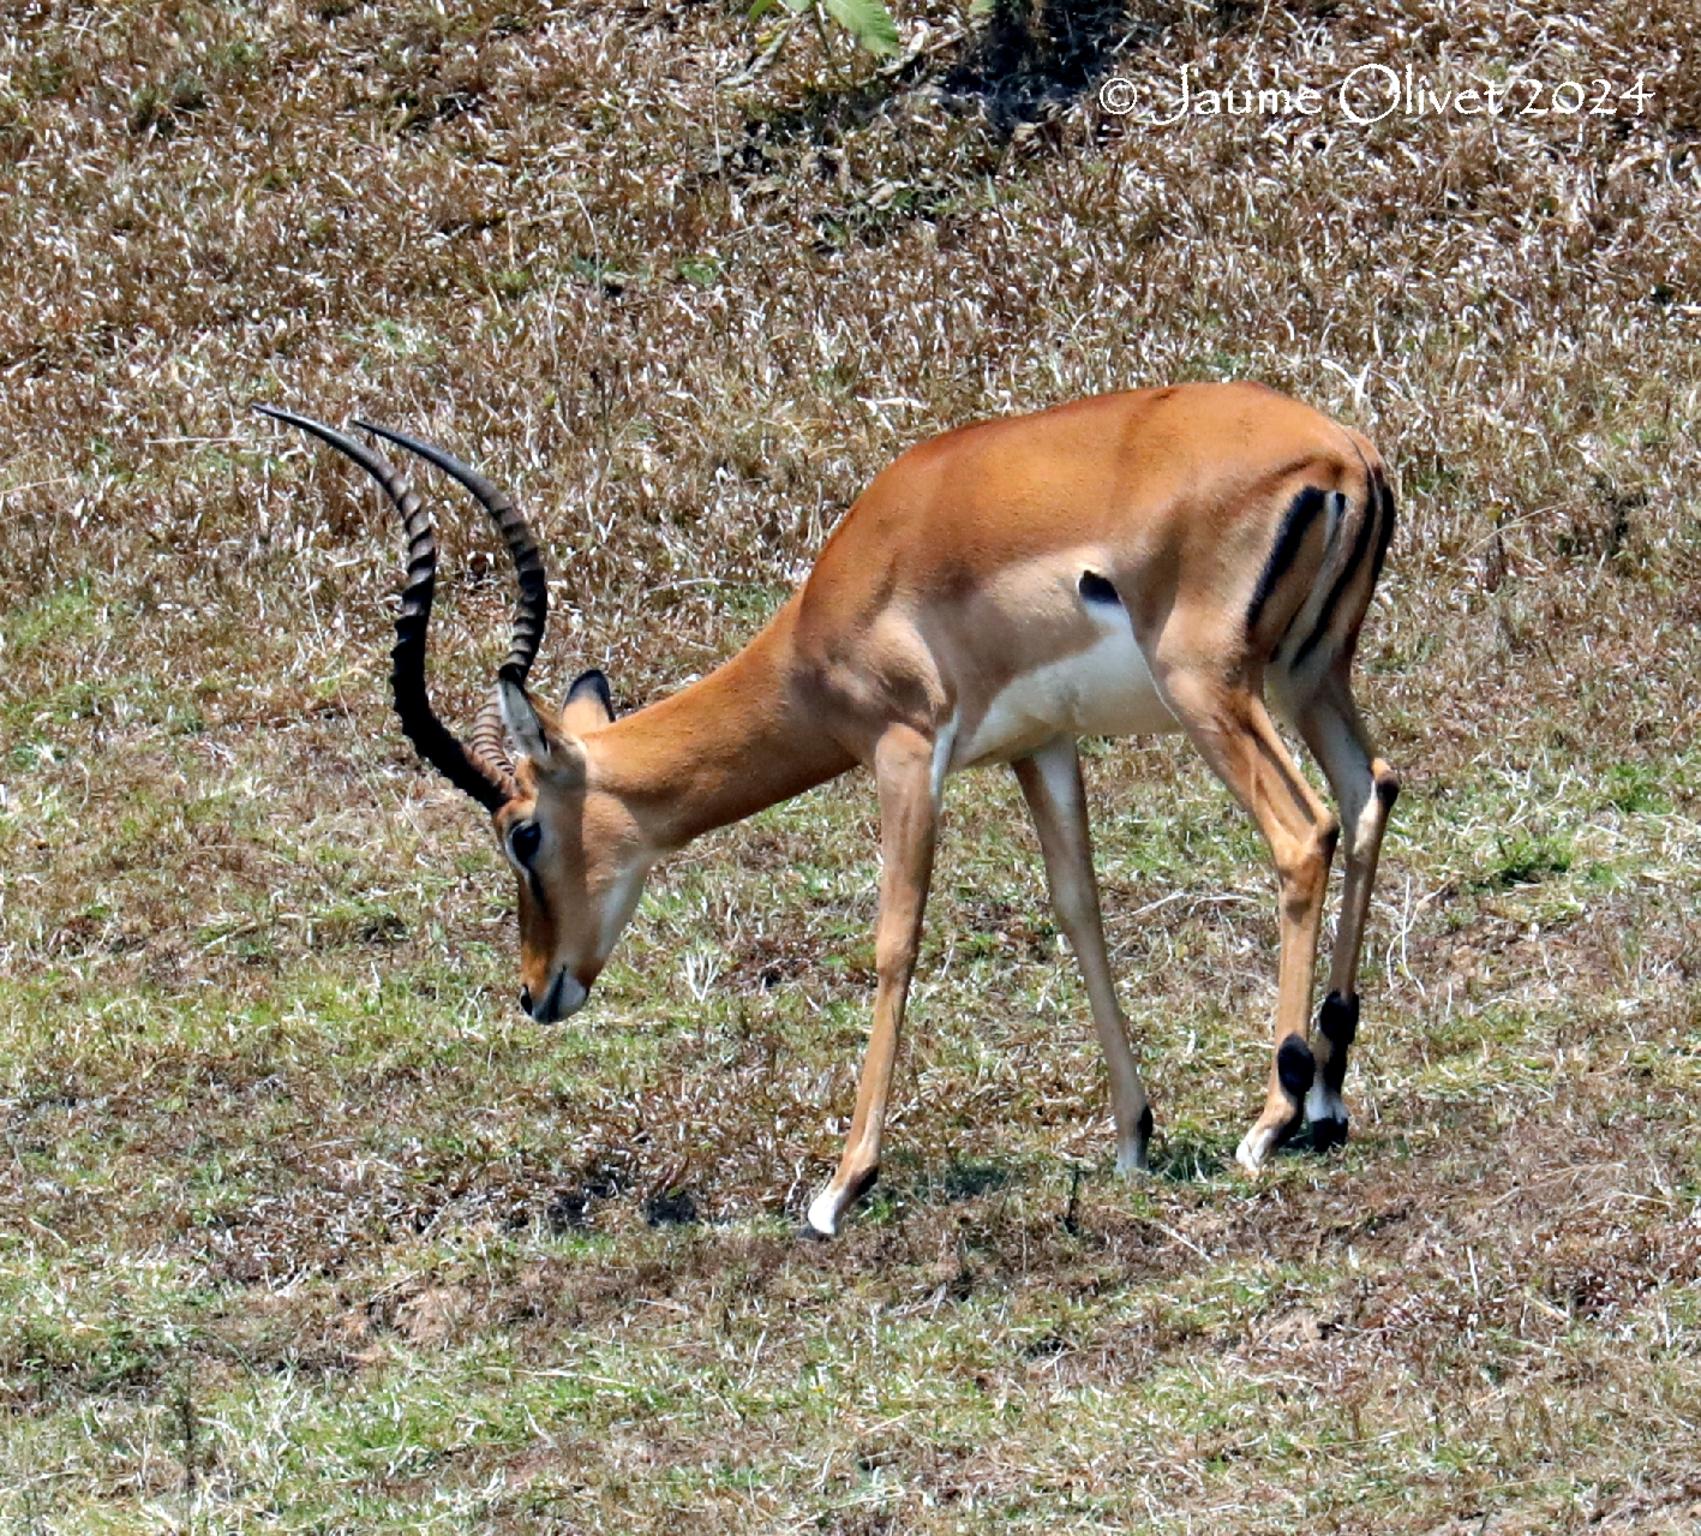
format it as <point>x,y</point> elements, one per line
<point>1130,1159</point>
<point>1255,1147</point>
<point>824,1213</point>
<point>1322,1103</point>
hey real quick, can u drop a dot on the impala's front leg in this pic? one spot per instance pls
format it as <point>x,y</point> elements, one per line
<point>909,819</point>
<point>1051,783</point>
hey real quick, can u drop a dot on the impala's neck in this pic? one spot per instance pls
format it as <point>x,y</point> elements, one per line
<point>733,743</point>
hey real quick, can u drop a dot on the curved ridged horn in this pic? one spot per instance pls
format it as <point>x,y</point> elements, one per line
<point>531,607</point>
<point>471,772</point>
<point>489,738</point>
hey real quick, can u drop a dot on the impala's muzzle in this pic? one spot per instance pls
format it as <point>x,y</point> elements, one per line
<point>565,997</point>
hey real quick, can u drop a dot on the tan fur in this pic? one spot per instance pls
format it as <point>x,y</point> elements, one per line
<point>952,578</point>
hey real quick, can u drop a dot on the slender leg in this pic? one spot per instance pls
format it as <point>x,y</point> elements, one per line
<point>1051,783</point>
<point>1366,788</point>
<point>1227,721</point>
<point>909,816</point>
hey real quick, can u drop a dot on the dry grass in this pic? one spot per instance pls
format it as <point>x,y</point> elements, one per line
<point>301,1229</point>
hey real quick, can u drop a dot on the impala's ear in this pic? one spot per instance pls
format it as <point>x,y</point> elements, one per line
<point>588,703</point>
<point>550,753</point>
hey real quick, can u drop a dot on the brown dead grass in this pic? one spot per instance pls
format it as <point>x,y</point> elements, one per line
<point>303,1230</point>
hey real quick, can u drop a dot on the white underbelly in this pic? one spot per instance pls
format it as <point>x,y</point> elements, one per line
<point>1104,690</point>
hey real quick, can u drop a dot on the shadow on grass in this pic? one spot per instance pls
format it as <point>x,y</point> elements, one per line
<point>1028,64</point>
<point>908,1178</point>
<point>1023,64</point>
<point>1188,1156</point>
<point>968,1180</point>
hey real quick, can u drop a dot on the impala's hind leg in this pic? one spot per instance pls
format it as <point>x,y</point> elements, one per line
<point>1051,784</point>
<point>1365,788</point>
<point>1227,721</point>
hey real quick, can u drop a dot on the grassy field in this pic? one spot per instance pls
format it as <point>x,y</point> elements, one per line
<point>303,1228</point>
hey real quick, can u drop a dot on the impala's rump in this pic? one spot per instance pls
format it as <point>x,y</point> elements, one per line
<point>1321,627</point>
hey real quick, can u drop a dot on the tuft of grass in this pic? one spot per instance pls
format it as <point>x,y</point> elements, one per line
<point>1527,859</point>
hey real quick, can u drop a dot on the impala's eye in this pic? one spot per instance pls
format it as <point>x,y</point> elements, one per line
<point>524,840</point>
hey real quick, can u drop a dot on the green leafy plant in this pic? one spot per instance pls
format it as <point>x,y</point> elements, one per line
<point>868,22</point>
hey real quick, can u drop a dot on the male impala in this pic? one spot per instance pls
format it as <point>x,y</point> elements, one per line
<point>1145,561</point>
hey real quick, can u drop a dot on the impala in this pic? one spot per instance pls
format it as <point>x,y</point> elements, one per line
<point>1156,560</point>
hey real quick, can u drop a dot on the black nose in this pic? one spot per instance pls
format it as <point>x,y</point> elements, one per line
<point>525,999</point>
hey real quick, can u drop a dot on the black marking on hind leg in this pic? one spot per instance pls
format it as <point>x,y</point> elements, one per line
<point>1328,1134</point>
<point>1296,1067</point>
<point>1301,514</point>
<point>1095,589</point>
<point>1338,1021</point>
<point>1144,1128</point>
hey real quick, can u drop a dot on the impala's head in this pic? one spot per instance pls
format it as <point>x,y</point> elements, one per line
<point>575,848</point>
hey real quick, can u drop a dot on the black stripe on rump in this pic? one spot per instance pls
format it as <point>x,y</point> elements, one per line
<point>1301,514</point>
<point>1385,533</point>
<point>1361,543</point>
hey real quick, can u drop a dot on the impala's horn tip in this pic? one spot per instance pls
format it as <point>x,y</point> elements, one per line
<point>278,413</point>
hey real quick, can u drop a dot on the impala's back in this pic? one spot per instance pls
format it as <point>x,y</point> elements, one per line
<point>1020,579</point>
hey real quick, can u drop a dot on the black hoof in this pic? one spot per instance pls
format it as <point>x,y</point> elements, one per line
<point>1326,1135</point>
